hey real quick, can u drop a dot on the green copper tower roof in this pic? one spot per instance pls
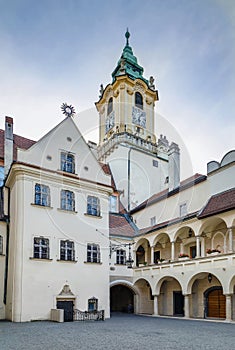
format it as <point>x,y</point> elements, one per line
<point>128,63</point>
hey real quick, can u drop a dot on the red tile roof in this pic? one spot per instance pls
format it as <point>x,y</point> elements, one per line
<point>19,142</point>
<point>219,203</point>
<point>187,183</point>
<point>119,226</point>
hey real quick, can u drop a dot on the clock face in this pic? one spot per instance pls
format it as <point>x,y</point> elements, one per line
<point>109,123</point>
<point>138,116</point>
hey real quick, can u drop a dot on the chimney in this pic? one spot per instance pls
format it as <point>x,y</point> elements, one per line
<point>174,166</point>
<point>8,149</point>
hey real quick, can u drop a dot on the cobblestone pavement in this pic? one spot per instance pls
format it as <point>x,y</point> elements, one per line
<point>120,332</point>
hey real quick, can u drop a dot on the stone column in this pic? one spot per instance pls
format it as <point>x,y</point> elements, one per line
<point>152,255</point>
<point>230,240</point>
<point>134,257</point>
<point>186,306</point>
<point>173,250</point>
<point>228,307</point>
<point>203,252</point>
<point>155,305</point>
<point>198,253</point>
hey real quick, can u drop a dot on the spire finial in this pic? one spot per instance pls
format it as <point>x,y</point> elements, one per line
<point>127,35</point>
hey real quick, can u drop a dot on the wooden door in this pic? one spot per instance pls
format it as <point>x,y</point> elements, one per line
<point>67,306</point>
<point>216,304</point>
<point>178,299</point>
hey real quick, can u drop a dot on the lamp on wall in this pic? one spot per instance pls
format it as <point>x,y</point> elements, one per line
<point>129,261</point>
<point>209,277</point>
<point>115,247</point>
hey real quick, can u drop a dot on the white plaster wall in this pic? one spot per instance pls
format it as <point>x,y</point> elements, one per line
<point>2,269</point>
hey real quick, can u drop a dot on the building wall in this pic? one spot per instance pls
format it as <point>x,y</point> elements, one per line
<point>2,268</point>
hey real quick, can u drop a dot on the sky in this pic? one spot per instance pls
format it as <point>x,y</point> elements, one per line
<point>56,51</point>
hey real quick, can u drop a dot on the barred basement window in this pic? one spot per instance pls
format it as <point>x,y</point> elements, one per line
<point>1,245</point>
<point>93,206</point>
<point>67,251</point>
<point>93,253</point>
<point>67,201</point>
<point>41,248</point>
<point>42,195</point>
<point>67,162</point>
<point>121,257</point>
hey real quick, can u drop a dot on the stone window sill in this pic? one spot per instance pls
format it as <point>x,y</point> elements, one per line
<point>1,254</point>
<point>67,211</point>
<point>93,216</point>
<point>67,261</point>
<point>41,206</point>
<point>40,259</point>
<point>92,263</point>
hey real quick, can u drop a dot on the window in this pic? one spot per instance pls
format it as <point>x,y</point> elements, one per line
<point>42,195</point>
<point>67,162</point>
<point>67,250</point>
<point>138,100</point>
<point>155,163</point>
<point>93,253</point>
<point>183,209</point>
<point>121,257</point>
<point>93,206</point>
<point>41,248</point>
<point>153,221</point>
<point>1,245</point>
<point>113,204</point>
<point>67,200</point>
<point>110,106</point>
<point>92,304</point>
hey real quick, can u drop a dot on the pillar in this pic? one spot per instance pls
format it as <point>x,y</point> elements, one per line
<point>198,253</point>
<point>152,255</point>
<point>155,305</point>
<point>203,251</point>
<point>230,240</point>
<point>228,307</point>
<point>186,306</point>
<point>134,257</point>
<point>173,250</point>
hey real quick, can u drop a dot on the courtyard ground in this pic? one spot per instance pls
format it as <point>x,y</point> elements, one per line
<point>119,332</point>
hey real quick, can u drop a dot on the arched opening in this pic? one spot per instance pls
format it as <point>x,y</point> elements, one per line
<point>215,303</point>
<point>171,299</point>
<point>138,100</point>
<point>140,256</point>
<point>145,302</point>
<point>121,299</point>
<point>110,106</point>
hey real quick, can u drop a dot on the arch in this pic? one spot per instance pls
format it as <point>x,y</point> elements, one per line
<point>123,296</point>
<point>145,302</point>
<point>138,100</point>
<point>211,224</point>
<point>158,285</point>
<point>200,275</point>
<point>110,106</point>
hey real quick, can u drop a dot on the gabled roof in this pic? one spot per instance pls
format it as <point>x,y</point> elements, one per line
<point>219,203</point>
<point>120,226</point>
<point>18,142</point>
<point>187,183</point>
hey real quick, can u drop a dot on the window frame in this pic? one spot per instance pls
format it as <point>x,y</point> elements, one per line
<point>66,164</point>
<point>92,301</point>
<point>93,253</point>
<point>93,206</point>
<point>183,210</point>
<point>67,253</point>
<point>120,257</point>
<point>42,196</point>
<point>65,203</point>
<point>43,248</point>
<point>139,100</point>
<point>110,106</point>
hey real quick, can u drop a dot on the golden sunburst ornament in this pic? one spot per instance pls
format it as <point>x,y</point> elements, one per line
<point>68,110</point>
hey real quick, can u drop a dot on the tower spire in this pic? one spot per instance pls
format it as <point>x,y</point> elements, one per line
<point>127,35</point>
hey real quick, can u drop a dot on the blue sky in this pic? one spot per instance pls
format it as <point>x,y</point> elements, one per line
<point>55,51</point>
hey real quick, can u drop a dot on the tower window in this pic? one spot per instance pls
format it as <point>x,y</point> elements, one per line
<point>138,100</point>
<point>110,106</point>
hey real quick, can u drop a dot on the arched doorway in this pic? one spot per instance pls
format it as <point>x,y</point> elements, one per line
<point>121,299</point>
<point>215,303</point>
